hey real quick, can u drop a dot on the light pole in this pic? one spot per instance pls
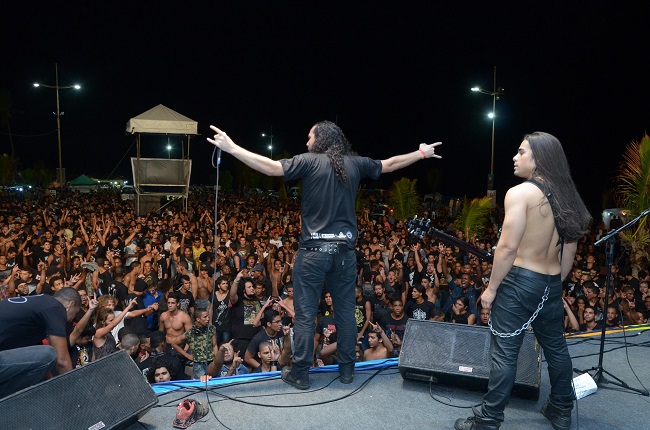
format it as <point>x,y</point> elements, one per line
<point>169,152</point>
<point>271,137</point>
<point>57,87</point>
<point>495,93</point>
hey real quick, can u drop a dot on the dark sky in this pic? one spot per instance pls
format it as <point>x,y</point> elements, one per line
<point>392,74</point>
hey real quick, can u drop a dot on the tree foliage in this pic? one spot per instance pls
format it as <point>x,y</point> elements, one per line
<point>633,193</point>
<point>404,198</point>
<point>473,219</point>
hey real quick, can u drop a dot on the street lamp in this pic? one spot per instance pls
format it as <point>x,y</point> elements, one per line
<point>58,87</point>
<point>169,153</point>
<point>495,93</point>
<point>271,137</point>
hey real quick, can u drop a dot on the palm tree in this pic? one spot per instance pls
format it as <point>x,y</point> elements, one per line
<point>633,193</point>
<point>472,220</point>
<point>404,198</point>
<point>8,165</point>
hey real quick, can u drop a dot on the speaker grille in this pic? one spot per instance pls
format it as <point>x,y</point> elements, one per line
<point>459,355</point>
<point>109,393</point>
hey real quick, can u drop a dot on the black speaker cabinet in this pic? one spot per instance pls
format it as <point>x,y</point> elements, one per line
<point>459,355</point>
<point>109,393</point>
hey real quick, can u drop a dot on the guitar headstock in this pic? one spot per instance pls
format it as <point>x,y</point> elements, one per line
<point>418,227</point>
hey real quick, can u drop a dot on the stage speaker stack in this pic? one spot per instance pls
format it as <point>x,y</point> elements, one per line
<point>109,393</point>
<point>458,355</point>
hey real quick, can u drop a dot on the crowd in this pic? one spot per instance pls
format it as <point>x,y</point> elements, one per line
<point>180,290</point>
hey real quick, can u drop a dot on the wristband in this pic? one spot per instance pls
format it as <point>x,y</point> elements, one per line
<point>423,154</point>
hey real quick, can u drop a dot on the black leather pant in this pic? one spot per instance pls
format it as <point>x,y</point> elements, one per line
<point>517,299</point>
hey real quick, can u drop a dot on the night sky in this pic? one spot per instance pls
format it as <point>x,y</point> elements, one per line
<point>391,74</point>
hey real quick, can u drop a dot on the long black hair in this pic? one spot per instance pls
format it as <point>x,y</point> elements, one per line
<point>330,140</point>
<point>572,218</point>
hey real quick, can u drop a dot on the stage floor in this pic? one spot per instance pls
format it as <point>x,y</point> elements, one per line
<point>380,399</point>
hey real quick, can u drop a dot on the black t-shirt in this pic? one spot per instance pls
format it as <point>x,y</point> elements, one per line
<point>419,311</point>
<point>570,287</point>
<point>583,327</point>
<point>392,325</point>
<point>117,290</point>
<point>394,290</point>
<point>163,268</point>
<point>79,251</point>
<point>243,315</point>
<point>137,325</point>
<point>117,252</point>
<point>334,216</point>
<point>98,250</point>
<point>326,322</point>
<point>26,321</point>
<point>185,301</point>
<point>104,280</point>
<point>222,314</point>
<point>412,276</point>
<point>262,336</point>
<point>360,314</point>
<point>379,308</point>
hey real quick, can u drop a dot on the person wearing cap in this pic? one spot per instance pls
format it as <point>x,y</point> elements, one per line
<point>257,273</point>
<point>330,174</point>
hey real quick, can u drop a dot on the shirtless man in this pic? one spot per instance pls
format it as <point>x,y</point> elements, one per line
<point>379,345</point>
<point>204,286</point>
<point>174,321</point>
<point>544,219</point>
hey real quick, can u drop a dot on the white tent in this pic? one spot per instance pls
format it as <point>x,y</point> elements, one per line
<point>161,120</point>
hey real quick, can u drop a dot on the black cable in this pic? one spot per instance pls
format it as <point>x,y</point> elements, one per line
<point>223,397</point>
<point>627,357</point>
<point>336,399</point>
<point>120,162</point>
<point>207,397</point>
<point>445,403</point>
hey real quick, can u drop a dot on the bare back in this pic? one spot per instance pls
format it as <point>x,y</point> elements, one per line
<point>538,249</point>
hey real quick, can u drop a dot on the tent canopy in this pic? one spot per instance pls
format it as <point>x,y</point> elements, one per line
<point>83,180</point>
<point>161,120</point>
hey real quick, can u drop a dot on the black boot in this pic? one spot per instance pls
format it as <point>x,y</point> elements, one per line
<point>560,418</point>
<point>476,423</point>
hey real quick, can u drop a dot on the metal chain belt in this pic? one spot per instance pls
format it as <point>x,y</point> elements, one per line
<point>526,324</point>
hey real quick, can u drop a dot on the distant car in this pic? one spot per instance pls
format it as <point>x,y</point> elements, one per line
<point>127,193</point>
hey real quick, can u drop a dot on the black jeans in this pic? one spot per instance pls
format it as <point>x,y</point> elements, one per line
<point>311,271</point>
<point>517,299</point>
<point>23,367</point>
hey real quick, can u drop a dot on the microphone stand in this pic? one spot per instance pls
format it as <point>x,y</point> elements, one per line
<point>599,371</point>
<point>215,235</point>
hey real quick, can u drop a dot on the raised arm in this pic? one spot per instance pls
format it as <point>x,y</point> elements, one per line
<point>400,161</point>
<point>255,161</point>
<point>83,322</point>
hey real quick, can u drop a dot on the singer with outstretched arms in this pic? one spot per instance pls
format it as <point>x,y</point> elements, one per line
<point>544,219</point>
<point>330,172</point>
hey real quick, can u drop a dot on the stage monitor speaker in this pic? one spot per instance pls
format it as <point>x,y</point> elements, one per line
<point>110,393</point>
<point>459,355</point>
